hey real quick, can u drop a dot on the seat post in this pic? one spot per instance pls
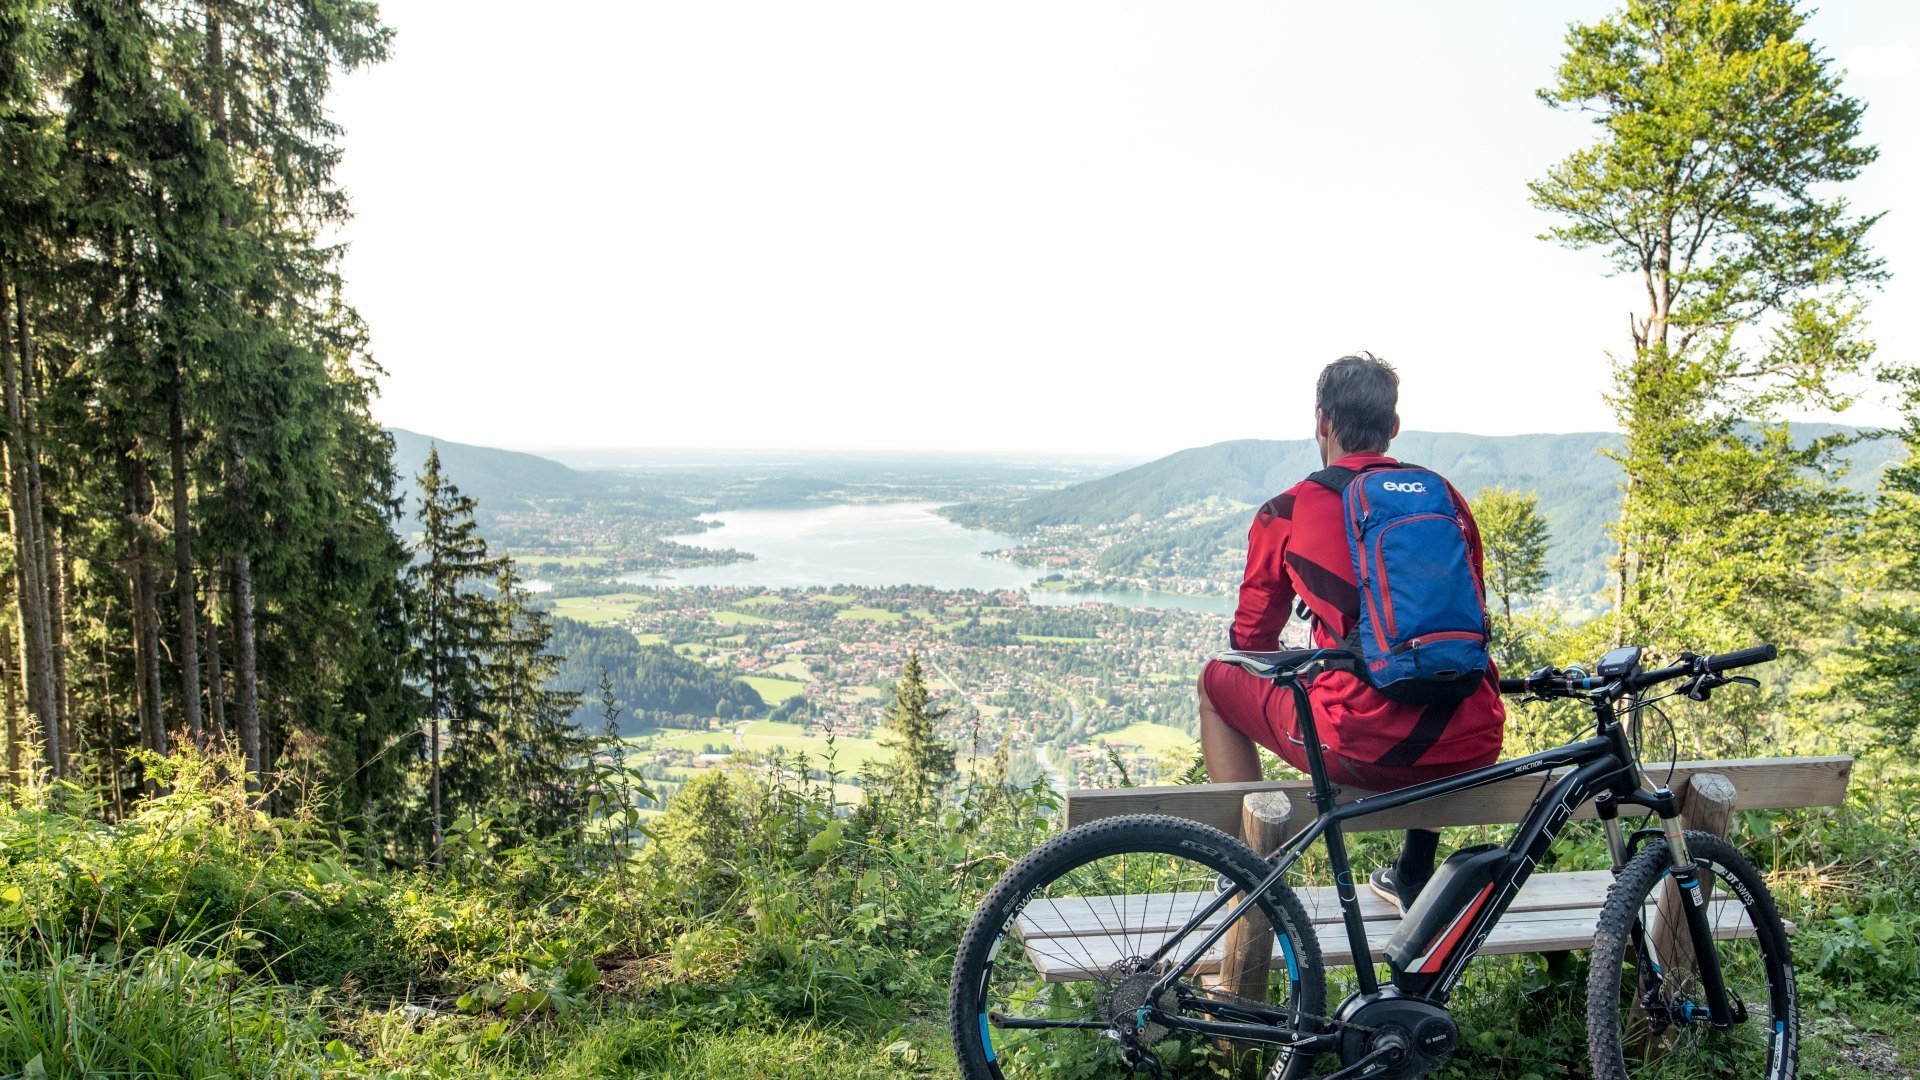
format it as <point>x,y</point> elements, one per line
<point>1324,796</point>
<point>1324,793</point>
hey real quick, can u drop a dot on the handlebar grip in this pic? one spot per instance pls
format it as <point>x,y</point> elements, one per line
<point>1514,686</point>
<point>1759,654</point>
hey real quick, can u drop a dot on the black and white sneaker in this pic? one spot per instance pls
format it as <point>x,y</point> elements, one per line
<point>1385,882</point>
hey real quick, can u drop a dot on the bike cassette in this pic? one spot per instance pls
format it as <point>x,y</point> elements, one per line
<point>1127,1009</point>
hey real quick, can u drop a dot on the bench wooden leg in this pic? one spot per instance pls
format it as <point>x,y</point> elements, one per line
<point>1247,950</point>
<point>1707,807</point>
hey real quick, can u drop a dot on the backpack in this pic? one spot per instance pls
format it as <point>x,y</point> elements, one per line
<point>1423,629</point>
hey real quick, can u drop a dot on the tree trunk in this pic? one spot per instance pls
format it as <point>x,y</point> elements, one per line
<point>36,644</point>
<point>48,539</point>
<point>57,574</point>
<point>10,659</point>
<point>183,577</point>
<point>246,669</point>
<point>112,724</point>
<point>216,685</point>
<point>146,615</point>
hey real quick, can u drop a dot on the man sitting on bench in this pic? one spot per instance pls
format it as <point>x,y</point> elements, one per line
<point>1299,548</point>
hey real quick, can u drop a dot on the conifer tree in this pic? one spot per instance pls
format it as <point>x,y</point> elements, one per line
<point>922,765</point>
<point>1879,676</point>
<point>454,625</point>
<point>543,758</point>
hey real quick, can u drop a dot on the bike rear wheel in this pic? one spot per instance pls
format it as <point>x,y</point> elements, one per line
<point>1647,1013</point>
<point>1122,885</point>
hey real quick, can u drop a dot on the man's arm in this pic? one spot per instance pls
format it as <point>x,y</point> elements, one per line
<point>1266,594</point>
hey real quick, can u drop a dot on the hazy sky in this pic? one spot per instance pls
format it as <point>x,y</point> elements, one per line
<point>1027,225</point>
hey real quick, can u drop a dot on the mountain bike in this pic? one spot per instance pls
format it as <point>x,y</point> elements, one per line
<point>1154,897</point>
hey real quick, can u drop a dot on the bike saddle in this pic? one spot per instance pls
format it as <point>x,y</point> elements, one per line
<point>1283,663</point>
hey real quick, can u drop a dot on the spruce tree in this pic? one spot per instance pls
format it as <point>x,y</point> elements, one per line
<point>544,760</point>
<point>454,625</point>
<point>922,765</point>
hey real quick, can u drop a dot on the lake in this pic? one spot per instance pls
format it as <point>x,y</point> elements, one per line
<point>876,545</point>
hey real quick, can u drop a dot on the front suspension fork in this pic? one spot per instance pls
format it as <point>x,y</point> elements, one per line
<point>1693,905</point>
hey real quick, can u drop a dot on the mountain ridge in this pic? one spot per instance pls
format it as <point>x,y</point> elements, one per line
<point>1576,483</point>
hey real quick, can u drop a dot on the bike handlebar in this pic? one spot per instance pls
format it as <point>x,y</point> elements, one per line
<point>1759,654</point>
<point>1557,683</point>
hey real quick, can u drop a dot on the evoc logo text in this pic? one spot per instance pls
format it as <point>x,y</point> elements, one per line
<point>1412,487</point>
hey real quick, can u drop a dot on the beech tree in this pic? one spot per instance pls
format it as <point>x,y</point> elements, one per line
<point>1514,539</point>
<point>1721,134</point>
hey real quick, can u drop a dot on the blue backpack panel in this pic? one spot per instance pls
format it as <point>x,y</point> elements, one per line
<point>1423,625</point>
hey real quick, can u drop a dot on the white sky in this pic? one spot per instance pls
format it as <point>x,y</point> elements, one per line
<point>998,224</point>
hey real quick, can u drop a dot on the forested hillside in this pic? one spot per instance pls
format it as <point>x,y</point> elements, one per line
<point>498,478</point>
<point>1210,490</point>
<point>652,685</point>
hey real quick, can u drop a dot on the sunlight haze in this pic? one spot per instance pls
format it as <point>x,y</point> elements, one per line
<point>1092,227</point>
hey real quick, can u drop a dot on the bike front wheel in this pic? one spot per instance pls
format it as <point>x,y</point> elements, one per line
<point>1647,1012</point>
<point>1054,974</point>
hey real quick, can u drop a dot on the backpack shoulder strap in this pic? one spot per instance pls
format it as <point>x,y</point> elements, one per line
<point>1334,478</point>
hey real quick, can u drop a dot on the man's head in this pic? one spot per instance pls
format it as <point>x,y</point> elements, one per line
<point>1354,405</point>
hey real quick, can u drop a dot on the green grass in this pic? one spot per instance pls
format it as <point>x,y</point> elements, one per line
<point>850,753</point>
<point>1052,639</point>
<point>763,600</point>
<point>836,598</point>
<point>869,614</point>
<point>738,618</point>
<point>773,691</point>
<point>571,562</point>
<point>679,739</point>
<point>791,669</point>
<point>1150,738</point>
<point>632,1040</point>
<point>596,609</point>
<point>692,648</point>
<point>650,639</point>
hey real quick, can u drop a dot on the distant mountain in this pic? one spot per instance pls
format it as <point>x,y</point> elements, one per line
<point>1577,484</point>
<point>500,479</point>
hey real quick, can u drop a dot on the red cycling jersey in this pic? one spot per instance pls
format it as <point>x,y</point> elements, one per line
<point>1298,548</point>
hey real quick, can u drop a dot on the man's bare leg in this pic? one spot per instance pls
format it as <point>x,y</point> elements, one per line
<point>1231,757</point>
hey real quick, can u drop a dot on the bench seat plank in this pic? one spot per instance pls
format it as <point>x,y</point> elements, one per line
<point>1759,784</point>
<point>1065,917</point>
<point>1068,958</point>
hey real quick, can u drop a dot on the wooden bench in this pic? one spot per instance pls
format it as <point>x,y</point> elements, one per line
<point>1553,913</point>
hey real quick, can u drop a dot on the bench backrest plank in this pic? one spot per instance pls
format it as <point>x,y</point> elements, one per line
<point>1759,784</point>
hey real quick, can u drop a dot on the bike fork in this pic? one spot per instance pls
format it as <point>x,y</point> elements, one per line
<point>1693,903</point>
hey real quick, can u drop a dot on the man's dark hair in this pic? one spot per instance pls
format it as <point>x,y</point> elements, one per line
<point>1359,394</point>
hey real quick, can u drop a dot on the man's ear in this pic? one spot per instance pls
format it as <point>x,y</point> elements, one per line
<point>1322,424</point>
<point>1394,432</point>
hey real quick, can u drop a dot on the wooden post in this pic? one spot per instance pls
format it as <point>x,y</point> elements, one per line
<point>1266,821</point>
<point>1707,807</point>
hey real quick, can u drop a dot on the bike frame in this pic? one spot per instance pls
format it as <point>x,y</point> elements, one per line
<point>1603,768</point>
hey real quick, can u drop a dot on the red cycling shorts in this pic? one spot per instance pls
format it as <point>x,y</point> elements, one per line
<point>1264,712</point>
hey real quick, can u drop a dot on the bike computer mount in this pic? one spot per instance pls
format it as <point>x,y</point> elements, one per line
<point>1619,662</point>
